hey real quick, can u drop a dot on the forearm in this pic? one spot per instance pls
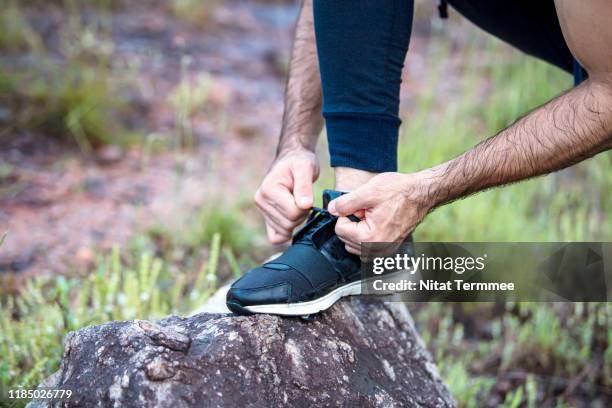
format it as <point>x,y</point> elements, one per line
<point>565,131</point>
<point>302,120</point>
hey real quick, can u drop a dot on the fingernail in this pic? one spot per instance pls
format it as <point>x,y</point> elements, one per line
<point>331,207</point>
<point>305,200</point>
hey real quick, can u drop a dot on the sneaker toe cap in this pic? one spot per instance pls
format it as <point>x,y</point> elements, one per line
<point>239,298</point>
<point>265,286</point>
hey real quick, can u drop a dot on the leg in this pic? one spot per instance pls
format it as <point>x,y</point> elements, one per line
<point>531,26</point>
<point>361,46</point>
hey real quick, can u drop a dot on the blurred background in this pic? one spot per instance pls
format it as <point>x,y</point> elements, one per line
<point>134,134</point>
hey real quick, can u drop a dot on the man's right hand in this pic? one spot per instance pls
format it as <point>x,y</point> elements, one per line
<point>285,195</point>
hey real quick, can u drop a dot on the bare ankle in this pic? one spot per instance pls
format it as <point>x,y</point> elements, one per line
<point>348,179</point>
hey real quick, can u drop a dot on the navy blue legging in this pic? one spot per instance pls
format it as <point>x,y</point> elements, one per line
<point>362,45</point>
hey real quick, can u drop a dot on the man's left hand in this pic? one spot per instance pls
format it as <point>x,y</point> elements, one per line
<point>390,207</point>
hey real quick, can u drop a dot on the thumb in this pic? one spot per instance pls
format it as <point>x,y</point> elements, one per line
<point>302,186</point>
<point>360,199</point>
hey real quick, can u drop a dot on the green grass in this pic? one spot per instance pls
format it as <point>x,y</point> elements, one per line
<point>539,349</point>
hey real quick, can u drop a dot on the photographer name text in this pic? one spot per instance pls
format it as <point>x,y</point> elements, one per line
<point>433,285</point>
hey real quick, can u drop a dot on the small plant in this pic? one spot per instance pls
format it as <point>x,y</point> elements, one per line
<point>187,97</point>
<point>77,98</point>
<point>75,102</point>
<point>15,31</point>
<point>195,12</point>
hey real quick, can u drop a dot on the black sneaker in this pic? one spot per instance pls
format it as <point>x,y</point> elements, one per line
<point>314,272</point>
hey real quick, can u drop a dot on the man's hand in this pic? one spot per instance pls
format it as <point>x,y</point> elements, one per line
<point>390,206</point>
<point>285,195</point>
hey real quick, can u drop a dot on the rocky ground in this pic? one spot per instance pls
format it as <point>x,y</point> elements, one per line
<point>357,354</point>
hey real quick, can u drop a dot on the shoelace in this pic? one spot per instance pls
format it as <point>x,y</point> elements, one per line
<point>316,215</point>
<point>317,211</point>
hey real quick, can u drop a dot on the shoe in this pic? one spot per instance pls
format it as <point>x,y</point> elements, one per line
<point>309,277</point>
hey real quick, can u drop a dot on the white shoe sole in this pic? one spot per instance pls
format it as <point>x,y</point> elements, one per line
<point>320,304</point>
<point>310,307</point>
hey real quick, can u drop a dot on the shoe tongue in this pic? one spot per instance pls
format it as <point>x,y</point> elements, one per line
<point>330,195</point>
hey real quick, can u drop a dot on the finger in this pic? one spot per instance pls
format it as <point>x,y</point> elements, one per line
<point>274,215</point>
<point>274,237</point>
<point>359,214</point>
<point>348,230</point>
<point>350,203</point>
<point>353,249</point>
<point>278,229</point>
<point>284,202</point>
<point>302,185</point>
<point>265,208</point>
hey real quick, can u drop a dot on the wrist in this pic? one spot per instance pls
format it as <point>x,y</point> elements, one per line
<point>290,150</point>
<point>297,138</point>
<point>426,188</point>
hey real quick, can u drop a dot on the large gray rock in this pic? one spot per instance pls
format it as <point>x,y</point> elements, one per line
<point>355,354</point>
